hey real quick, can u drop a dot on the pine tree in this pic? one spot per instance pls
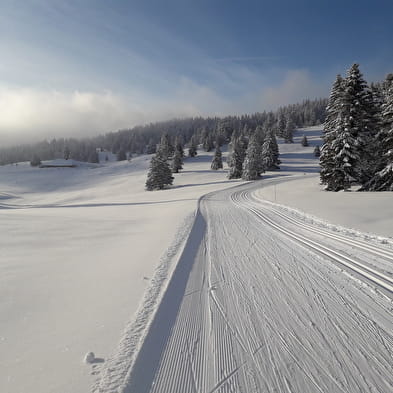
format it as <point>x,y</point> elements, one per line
<point>281,123</point>
<point>165,148</point>
<point>252,163</point>
<point>159,175</point>
<point>289,129</point>
<point>383,179</point>
<point>358,114</point>
<point>177,162</point>
<point>304,141</point>
<point>270,152</point>
<point>317,151</point>
<point>208,143</point>
<point>331,126</point>
<point>179,146</point>
<point>346,157</point>
<point>151,147</point>
<point>217,159</point>
<point>192,151</point>
<point>236,158</point>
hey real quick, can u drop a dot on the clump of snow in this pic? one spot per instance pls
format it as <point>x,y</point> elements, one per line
<point>89,358</point>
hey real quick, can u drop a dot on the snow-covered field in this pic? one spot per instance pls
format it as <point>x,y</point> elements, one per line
<point>78,249</point>
<point>84,257</point>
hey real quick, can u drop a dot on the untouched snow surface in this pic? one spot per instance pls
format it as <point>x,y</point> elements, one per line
<point>86,253</point>
<point>79,247</point>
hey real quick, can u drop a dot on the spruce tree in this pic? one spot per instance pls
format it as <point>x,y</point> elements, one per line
<point>192,151</point>
<point>177,162</point>
<point>151,147</point>
<point>159,175</point>
<point>208,143</point>
<point>165,148</point>
<point>317,151</point>
<point>217,159</point>
<point>289,129</point>
<point>383,179</point>
<point>236,158</point>
<point>252,162</point>
<point>358,113</point>
<point>304,141</point>
<point>179,146</point>
<point>331,126</point>
<point>281,123</point>
<point>346,158</point>
<point>270,152</point>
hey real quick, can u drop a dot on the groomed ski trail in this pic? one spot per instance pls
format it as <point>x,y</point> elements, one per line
<point>260,302</point>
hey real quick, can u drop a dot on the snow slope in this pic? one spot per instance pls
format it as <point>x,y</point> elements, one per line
<point>255,306</point>
<point>370,212</point>
<point>86,253</point>
<point>78,249</point>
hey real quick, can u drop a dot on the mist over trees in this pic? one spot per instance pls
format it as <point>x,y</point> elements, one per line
<point>358,134</point>
<point>192,131</point>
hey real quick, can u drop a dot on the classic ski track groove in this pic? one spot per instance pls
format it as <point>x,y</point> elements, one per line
<point>388,254</point>
<point>380,279</point>
<point>266,310</point>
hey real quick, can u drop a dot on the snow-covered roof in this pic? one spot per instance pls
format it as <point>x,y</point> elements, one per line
<point>61,162</point>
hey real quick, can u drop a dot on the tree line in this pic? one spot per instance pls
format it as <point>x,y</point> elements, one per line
<point>192,131</point>
<point>358,134</point>
<point>252,152</point>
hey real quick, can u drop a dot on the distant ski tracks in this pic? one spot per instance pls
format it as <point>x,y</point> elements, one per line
<point>244,199</point>
<point>263,302</point>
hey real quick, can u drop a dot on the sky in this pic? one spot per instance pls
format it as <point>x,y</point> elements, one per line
<point>85,67</point>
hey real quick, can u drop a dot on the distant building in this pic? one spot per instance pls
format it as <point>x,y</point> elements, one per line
<point>59,163</point>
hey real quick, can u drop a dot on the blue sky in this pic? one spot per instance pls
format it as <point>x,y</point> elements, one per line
<point>75,67</point>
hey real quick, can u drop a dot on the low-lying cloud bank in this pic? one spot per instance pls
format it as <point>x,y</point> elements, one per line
<point>28,114</point>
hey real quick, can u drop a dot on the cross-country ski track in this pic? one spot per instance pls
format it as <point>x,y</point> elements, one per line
<point>263,302</point>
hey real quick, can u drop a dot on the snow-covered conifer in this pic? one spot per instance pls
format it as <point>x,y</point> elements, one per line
<point>317,151</point>
<point>270,152</point>
<point>192,151</point>
<point>304,141</point>
<point>236,158</point>
<point>331,126</point>
<point>179,146</point>
<point>252,162</point>
<point>208,143</point>
<point>281,123</point>
<point>358,113</point>
<point>151,147</point>
<point>217,159</point>
<point>346,158</point>
<point>383,179</point>
<point>165,148</point>
<point>159,174</point>
<point>289,129</point>
<point>177,161</point>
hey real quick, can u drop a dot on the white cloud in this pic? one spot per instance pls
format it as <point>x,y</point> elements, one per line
<point>296,86</point>
<point>30,114</point>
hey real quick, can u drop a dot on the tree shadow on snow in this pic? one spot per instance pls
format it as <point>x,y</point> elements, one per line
<point>205,184</point>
